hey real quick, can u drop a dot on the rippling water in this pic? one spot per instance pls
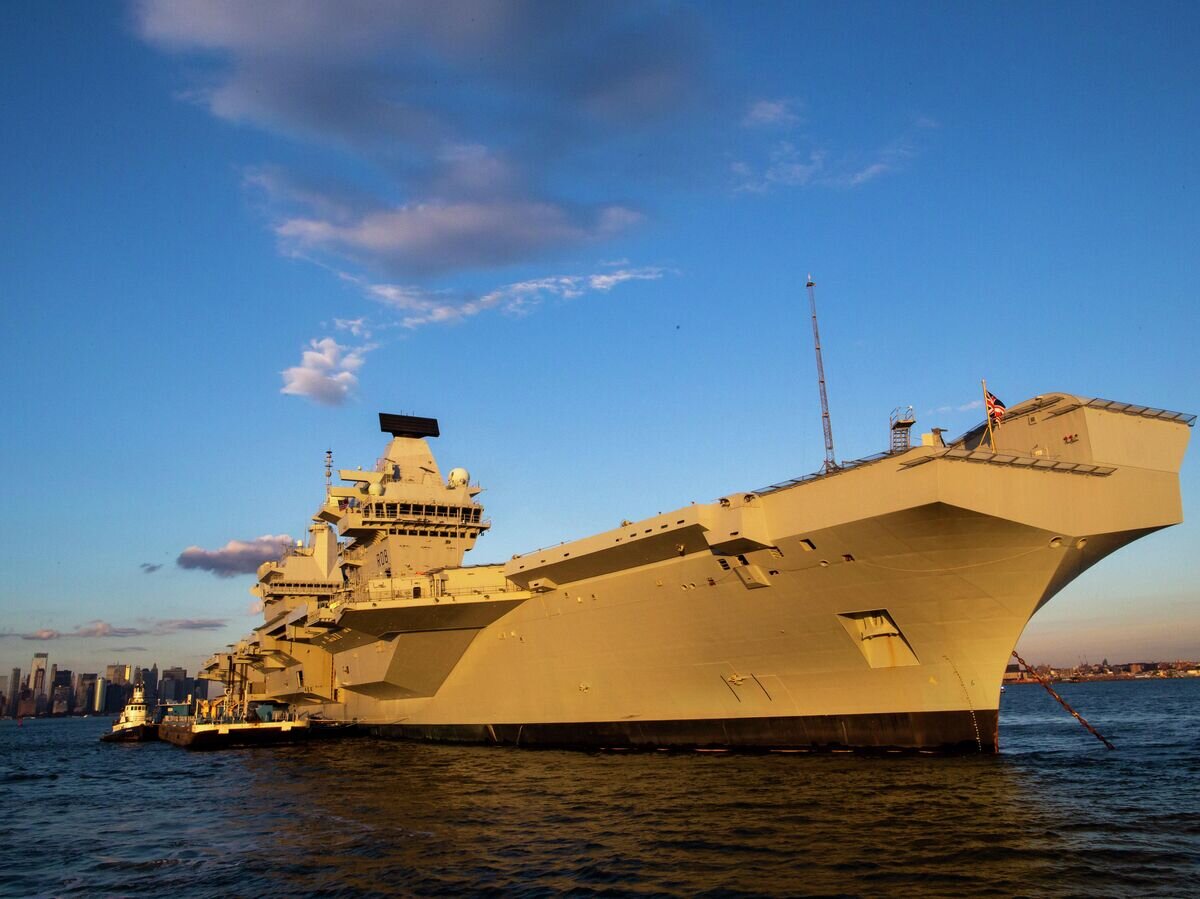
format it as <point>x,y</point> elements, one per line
<point>1056,814</point>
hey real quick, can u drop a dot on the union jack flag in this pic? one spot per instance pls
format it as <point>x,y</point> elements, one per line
<point>995,407</point>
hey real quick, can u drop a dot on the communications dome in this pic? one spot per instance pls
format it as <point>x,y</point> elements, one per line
<point>458,477</point>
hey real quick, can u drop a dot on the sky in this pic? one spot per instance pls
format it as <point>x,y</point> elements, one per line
<point>578,235</point>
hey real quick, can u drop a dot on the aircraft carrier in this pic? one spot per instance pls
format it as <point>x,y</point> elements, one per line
<point>873,606</point>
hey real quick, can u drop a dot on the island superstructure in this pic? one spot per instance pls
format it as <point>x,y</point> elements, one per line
<point>872,606</point>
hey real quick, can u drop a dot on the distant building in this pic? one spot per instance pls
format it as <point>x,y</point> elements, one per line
<point>14,689</point>
<point>37,673</point>
<point>101,691</point>
<point>175,686</point>
<point>26,703</point>
<point>152,685</point>
<point>60,700</point>
<point>60,691</point>
<point>115,697</point>
<point>1013,673</point>
<point>85,694</point>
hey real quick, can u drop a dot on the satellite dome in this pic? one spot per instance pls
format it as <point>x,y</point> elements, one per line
<point>458,477</point>
<point>375,490</point>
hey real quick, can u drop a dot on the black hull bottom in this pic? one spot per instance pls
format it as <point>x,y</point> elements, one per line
<point>211,739</point>
<point>257,736</point>
<point>955,732</point>
<point>140,734</point>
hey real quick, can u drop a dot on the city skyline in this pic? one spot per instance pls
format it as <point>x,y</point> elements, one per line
<point>47,689</point>
<point>579,238</point>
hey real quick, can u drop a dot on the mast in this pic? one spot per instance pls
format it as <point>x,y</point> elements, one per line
<point>830,462</point>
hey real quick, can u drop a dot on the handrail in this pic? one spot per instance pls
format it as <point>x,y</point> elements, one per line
<point>823,473</point>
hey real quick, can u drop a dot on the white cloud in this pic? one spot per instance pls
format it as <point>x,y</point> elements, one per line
<point>783,164</point>
<point>962,407</point>
<point>104,629</point>
<point>423,307</point>
<point>770,112</point>
<point>235,557</point>
<point>786,167</point>
<point>356,326</point>
<point>429,238</point>
<point>326,373</point>
<point>874,170</point>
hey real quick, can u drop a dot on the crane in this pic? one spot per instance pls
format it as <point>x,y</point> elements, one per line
<point>830,462</point>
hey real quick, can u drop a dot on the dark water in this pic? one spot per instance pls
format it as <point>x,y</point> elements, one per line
<point>1055,815</point>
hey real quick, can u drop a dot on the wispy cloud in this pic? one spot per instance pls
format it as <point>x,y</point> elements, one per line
<point>149,568</point>
<point>327,373</point>
<point>172,625</point>
<point>235,557</point>
<point>357,327</point>
<point>962,407</point>
<point>786,166</point>
<point>804,162</point>
<point>763,113</point>
<point>42,634</point>
<point>419,306</point>
<point>433,238</point>
<point>104,629</point>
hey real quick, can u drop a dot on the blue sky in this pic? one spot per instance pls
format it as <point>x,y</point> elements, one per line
<point>578,236</point>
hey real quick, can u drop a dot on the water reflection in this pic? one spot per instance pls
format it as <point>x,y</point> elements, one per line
<point>1055,814</point>
<point>451,817</point>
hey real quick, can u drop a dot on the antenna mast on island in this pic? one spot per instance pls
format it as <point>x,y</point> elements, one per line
<point>830,462</point>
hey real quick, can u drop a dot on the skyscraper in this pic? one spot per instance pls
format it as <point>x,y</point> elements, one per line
<point>151,679</point>
<point>37,674</point>
<point>14,692</point>
<point>101,690</point>
<point>85,693</point>
<point>174,687</point>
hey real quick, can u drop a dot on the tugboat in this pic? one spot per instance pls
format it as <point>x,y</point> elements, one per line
<point>133,726</point>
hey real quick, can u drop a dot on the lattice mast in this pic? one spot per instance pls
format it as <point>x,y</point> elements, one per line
<point>830,462</point>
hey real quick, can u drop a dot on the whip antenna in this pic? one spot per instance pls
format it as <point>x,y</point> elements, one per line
<point>830,462</point>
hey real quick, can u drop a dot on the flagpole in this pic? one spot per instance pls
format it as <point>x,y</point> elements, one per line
<point>987,415</point>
